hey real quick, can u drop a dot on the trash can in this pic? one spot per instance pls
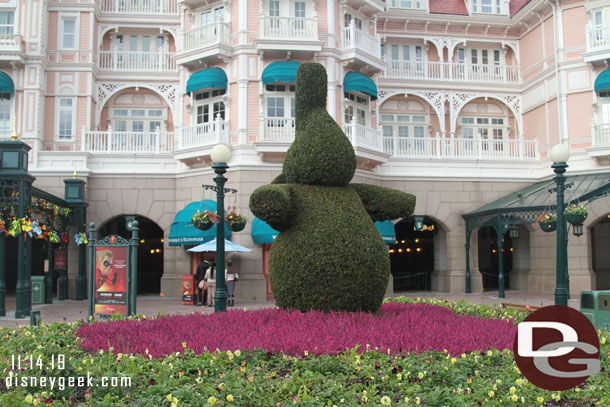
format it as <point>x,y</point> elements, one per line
<point>189,291</point>
<point>595,305</point>
<point>38,290</point>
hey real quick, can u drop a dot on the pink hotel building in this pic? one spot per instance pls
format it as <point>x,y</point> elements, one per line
<point>457,101</point>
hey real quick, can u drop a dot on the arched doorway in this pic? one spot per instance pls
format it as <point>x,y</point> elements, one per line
<point>150,250</point>
<point>600,241</point>
<point>412,256</point>
<point>488,258</point>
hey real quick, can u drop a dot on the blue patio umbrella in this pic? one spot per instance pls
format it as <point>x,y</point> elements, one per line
<point>211,247</point>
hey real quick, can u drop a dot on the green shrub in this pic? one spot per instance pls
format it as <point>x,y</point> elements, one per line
<point>273,203</point>
<point>383,203</point>
<point>310,92</point>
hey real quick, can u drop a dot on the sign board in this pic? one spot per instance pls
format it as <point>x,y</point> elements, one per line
<point>111,267</point>
<point>60,260</point>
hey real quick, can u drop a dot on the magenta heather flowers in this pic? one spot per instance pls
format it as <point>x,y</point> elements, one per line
<point>398,327</point>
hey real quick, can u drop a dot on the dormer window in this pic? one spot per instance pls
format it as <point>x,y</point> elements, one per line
<point>487,6</point>
<point>407,4</point>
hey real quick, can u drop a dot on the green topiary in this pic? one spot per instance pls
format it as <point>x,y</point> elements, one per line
<point>328,255</point>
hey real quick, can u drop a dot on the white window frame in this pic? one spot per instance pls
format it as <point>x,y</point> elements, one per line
<point>13,27</point>
<point>403,4</point>
<point>60,39</point>
<point>289,98</point>
<point>199,99</point>
<point>11,111</point>
<point>490,142</point>
<point>355,103</point>
<point>58,110</point>
<point>494,7</point>
<point>145,119</point>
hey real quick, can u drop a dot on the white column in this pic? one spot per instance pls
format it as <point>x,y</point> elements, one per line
<point>332,87</point>
<point>243,21</point>
<point>330,15</point>
<point>242,113</point>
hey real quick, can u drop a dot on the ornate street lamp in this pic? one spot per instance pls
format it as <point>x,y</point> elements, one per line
<point>560,155</point>
<point>220,156</point>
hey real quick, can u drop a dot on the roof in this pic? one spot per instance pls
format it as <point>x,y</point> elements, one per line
<point>527,204</point>
<point>458,7</point>
<point>516,5</point>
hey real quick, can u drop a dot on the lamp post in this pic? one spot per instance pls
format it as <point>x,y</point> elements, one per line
<point>560,155</point>
<point>220,156</point>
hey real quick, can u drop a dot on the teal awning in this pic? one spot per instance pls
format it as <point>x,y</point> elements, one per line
<point>183,232</point>
<point>263,233</point>
<point>211,78</point>
<point>281,71</point>
<point>602,82</point>
<point>387,232</point>
<point>6,84</point>
<point>361,83</point>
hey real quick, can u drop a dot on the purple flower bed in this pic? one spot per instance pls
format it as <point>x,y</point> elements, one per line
<point>398,327</point>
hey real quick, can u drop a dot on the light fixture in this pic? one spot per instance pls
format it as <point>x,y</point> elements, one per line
<point>418,249</point>
<point>513,232</point>
<point>408,250</point>
<point>578,230</point>
<point>402,241</point>
<point>416,240</point>
<point>493,251</point>
<point>162,240</point>
<point>158,250</point>
<point>400,250</point>
<point>152,251</point>
<point>511,249</point>
<point>560,153</point>
<point>142,241</point>
<point>220,153</point>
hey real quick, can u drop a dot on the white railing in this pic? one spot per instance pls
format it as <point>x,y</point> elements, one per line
<point>601,135</point>
<point>289,28</point>
<point>452,71</point>
<point>365,137</point>
<point>206,35</point>
<point>204,134</point>
<point>278,130</point>
<point>598,37</point>
<point>136,61</point>
<point>140,6</point>
<point>353,38</point>
<point>460,148</point>
<point>110,141</point>
<point>11,42</point>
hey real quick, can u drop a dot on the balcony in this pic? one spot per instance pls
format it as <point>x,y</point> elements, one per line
<point>460,148</point>
<point>124,142</point>
<point>295,34</point>
<point>138,7</point>
<point>196,141</point>
<point>368,145</point>
<point>600,140</point>
<point>598,44</point>
<point>208,41</point>
<point>136,61</point>
<point>361,49</point>
<point>452,71</point>
<point>11,49</point>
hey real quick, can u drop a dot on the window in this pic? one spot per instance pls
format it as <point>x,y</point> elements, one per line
<point>280,111</point>
<point>348,18</point>
<point>487,6</point>
<point>274,13</point>
<point>68,33</point>
<point>402,55</point>
<point>6,22</point>
<point>407,4</point>
<point>598,25</point>
<point>406,133</point>
<point>137,120</point>
<point>209,105</point>
<point>356,108</point>
<point>65,118</point>
<point>491,132</point>
<point>6,125</point>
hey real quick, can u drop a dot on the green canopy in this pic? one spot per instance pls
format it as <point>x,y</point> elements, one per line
<point>263,233</point>
<point>602,82</point>
<point>6,84</point>
<point>211,78</point>
<point>281,71</point>
<point>361,83</point>
<point>182,231</point>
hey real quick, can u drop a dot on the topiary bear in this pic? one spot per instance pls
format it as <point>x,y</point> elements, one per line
<point>328,254</point>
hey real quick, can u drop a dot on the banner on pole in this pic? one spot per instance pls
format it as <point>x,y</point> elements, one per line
<point>111,267</point>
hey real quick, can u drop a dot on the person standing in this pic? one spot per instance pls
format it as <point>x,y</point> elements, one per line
<point>210,278</point>
<point>231,278</point>
<point>200,278</point>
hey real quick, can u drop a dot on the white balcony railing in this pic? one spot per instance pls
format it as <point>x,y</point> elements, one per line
<point>598,37</point>
<point>110,141</point>
<point>136,61</point>
<point>289,28</point>
<point>353,38</point>
<point>206,35</point>
<point>364,137</point>
<point>10,42</point>
<point>460,148</point>
<point>204,134</point>
<point>278,130</point>
<point>140,6</point>
<point>452,71</point>
<point>601,136</point>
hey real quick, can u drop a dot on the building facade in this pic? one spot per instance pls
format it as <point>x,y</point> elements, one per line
<point>456,101</point>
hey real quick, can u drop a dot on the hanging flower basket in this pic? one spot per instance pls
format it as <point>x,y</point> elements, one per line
<point>575,214</point>
<point>548,222</point>
<point>236,222</point>
<point>204,220</point>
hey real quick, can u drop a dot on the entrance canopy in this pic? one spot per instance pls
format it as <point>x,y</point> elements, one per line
<point>281,71</point>
<point>211,78</point>
<point>182,231</point>
<point>526,205</point>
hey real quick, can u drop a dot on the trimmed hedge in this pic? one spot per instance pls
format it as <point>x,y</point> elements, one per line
<point>384,203</point>
<point>274,205</point>
<point>332,258</point>
<point>310,92</point>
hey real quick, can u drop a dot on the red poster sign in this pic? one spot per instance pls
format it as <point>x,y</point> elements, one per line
<point>60,260</point>
<point>111,279</point>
